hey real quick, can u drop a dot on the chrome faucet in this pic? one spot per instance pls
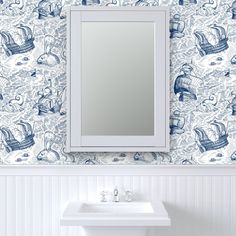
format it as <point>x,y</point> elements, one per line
<point>103,196</point>
<point>116,195</point>
<point>128,196</point>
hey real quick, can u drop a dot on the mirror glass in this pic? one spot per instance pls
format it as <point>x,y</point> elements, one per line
<point>117,78</point>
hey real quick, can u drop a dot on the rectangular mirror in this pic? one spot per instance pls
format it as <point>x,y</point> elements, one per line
<point>120,101</point>
<point>117,75</point>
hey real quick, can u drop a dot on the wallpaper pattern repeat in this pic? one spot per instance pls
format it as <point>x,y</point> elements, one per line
<point>203,83</point>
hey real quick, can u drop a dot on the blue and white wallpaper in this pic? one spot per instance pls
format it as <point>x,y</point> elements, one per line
<point>203,83</point>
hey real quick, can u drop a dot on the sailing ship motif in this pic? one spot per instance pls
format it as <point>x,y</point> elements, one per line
<point>185,84</point>
<point>205,47</point>
<point>11,143</point>
<point>48,8</point>
<point>11,47</point>
<point>219,131</point>
<point>177,123</point>
<point>50,101</point>
<point>232,104</point>
<point>176,27</point>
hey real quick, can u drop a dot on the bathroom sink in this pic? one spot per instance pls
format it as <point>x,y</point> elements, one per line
<point>115,214</point>
<point>116,208</point>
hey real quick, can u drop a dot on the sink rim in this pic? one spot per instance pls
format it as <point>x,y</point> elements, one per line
<point>135,208</point>
<point>71,216</point>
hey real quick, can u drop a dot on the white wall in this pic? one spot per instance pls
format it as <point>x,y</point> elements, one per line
<point>201,201</point>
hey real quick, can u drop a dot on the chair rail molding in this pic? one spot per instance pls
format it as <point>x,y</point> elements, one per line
<point>128,170</point>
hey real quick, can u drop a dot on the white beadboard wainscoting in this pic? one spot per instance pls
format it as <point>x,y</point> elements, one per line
<point>201,200</point>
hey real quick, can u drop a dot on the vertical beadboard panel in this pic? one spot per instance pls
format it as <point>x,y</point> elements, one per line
<point>179,213</point>
<point>136,187</point>
<point>100,182</point>
<point>197,227</point>
<point>3,208</point>
<point>128,184</point>
<point>55,206</point>
<point>216,213</point>
<point>92,188</point>
<point>83,188</point>
<point>197,205</point>
<point>64,193</point>
<point>145,187</point>
<point>20,204</point>
<point>11,206</point>
<point>28,209</point>
<point>37,216</point>
<point>226,203</point>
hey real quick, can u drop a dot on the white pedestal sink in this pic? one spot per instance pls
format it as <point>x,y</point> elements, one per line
<point>115,219</point>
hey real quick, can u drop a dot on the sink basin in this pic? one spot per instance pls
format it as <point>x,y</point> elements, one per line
<point>116,208</point>
<point>115,214</point>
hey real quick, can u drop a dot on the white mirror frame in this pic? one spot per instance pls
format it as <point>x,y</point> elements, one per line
<point>159,142</point>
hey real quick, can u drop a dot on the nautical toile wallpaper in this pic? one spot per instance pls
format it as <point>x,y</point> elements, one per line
<point>33,83</point>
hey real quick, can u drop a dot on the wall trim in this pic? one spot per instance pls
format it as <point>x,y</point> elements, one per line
<point>127,170</point>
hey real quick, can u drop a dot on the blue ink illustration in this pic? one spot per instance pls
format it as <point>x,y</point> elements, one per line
<point>3,83</point>
<point>209,104</point>
<point>112,3</point>
<point>141,3</point>
<point>208,8</point>
<point>177,123</point>
<point>205,47</point>
<point>15,8</point>
<point>90,161</point>
<point>146,3</point>
<point>18,4</point>
<point>233,60</point>
<point>233,9</point>
<point>33,83</point>
<point>232,105</point>
<point>176,27</point>
<point>48,8</point>
<point>50,101</point>
<point>11,47</point>
<point>48,153</point>
<point>188,162</point>
<point>48,58</point>
<point>138,156</point>
<point>218,132</point>
<point>90,2</point>
<point>184,84</point>
<point>233,156</point>
<point>187,2</point>
<point>11,143</point>
<point>16,103</point>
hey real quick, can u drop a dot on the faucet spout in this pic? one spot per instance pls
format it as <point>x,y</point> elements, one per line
<point>116,195</point>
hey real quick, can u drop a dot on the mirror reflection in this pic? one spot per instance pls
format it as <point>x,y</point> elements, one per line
<point>117,78</point>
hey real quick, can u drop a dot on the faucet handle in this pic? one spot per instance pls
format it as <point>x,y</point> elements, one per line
<point>128,196</point>
<point>103,196</point>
